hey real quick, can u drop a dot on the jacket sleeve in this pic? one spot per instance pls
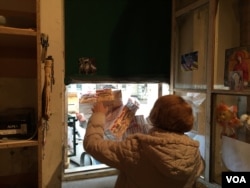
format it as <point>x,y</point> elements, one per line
<point>112,153</point>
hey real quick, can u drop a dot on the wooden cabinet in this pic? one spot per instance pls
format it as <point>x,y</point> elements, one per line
<point>20,89</point>
<point>207,39</point>
<point>230,142</point>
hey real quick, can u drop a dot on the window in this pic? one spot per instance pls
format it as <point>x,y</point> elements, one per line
<point>145,93</point>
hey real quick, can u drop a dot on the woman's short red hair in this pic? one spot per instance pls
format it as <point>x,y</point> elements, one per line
<point>172,113</point>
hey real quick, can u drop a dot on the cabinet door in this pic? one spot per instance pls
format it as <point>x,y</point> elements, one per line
<point>230,92</point>
<point>123,39</point>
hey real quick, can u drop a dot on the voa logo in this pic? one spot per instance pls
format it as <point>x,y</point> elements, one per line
<point>236,179</point>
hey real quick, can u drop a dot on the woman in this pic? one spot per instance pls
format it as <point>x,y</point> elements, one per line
<point>165,157</point>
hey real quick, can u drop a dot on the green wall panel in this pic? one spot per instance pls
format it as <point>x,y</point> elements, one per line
<point>129,39</point>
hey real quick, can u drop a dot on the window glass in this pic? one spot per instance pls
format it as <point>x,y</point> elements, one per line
<point>231,135</point>
<point>80,99</point>
<point>198,102</point>
<point>191,52</point>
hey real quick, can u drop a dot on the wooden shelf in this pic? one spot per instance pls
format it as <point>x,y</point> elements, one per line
<point>18,53</point>
<point>17,143</point>
<point>20,77</point>
<point>27,179</point>
<point>17,31</point>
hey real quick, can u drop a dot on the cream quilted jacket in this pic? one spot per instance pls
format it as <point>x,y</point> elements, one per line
<point>157,160</point>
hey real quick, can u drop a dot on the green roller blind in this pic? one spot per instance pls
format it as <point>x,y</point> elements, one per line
<point>129,40</point>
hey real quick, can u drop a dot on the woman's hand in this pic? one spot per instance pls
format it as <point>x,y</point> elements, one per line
<point>99,107</point>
